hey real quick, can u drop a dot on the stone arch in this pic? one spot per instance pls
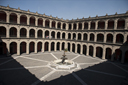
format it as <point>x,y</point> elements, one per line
<point>53,24</point>
<point>13,18</point>
<point>121,24</point>
<point>40,22</point>
<point>2,31</point>
<point>32,20</point>
<point>119,38</point>
<point>73,47</point>
<point>79,36</point>
<point>31,33</point>
<point>63,35</point>
<point>23,19</point>
<point>39,46</point>
<point>58,35</point>
<point>99,51</point>
<point>46,34</point>
<point>64,26</point>
<point>92,37</point>
<point>110,24</point>
<point>47,23</point>
<point>85,25</point>
<point>23,47</point>
<point>58,45</point>
<point>85,36</point>
<point>80,25</point>
<point>92,25</point>
<point>69,35</point>
<point>23,32</point>
<point>58,25</point>
<point>3,16</point>
<point>101,24</point>
<point>84,49</point>
<point>13,32</point>
<point>3,48</point>
<point>100,37</point>
<point>74,26</point>
<point>52,46</point>
<point>108,54</point>
<point>91,49</point>
<point>13,48</point>
<point>78,48</point>
<point>109,38</point>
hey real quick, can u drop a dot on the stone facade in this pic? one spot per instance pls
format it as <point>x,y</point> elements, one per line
<point>105,37</point>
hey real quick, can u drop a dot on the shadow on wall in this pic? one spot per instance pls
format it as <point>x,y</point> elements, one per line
<point>20,76</point>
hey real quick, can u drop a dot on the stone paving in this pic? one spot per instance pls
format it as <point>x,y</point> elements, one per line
<point>34,69</point>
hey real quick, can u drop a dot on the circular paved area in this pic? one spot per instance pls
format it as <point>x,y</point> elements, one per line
<point>34,69</point>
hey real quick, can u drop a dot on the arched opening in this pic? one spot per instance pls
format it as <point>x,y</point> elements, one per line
<point>47,23</point>
<point>74,26</point>
<point>70,26</point>
<point>13,32</point>
<point>74,36</point>
<point>78,48</point>
<point>110,24</point>
<point>31,47</point>
<point>32,33</point>
<point>100,38</point>
<point>84,49</point>
<point>63,35</point>
<point>108,53</point>
<point>13,18</point>
<point>85,25</point>
<point>3,48</point>
<point>101,25</point>
<point>2,16</point>
<point>22,47</point>
<point>39,47</point>
<point>40,22</point>
<point>39,33</point>
<point>13,48</point>
<point>119,38</point>
<point>46,46</point>
<point>85,36</point>
<point>121,24</point>
<point>80,26</point>
<point>23,19</point>
<point>99,52</point>
<point>63,46</point>
<point>23,32</point>
<point>2,31</point>
<point>52,34</point>
<point>109,38</point>
<point>52,46</point>
<point>59,25</point>
<point>126,56</point>
<point>53,24</point>
<point>32,20</point>
<point>118,55</point>
<point>73,47</point>
<point>90,50</point>
<point>69,36</point>
<point>46,34</point>
<point>58,46</point>
<point>92,25</point>
<point>79,36</point>
<point>68,46</point>
<point>64,26</point>
<point>58,35</point>
<point>91,37</point>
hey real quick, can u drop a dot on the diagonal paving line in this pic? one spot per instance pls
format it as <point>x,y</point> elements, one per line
<point>9,60</point>
<point>75,57</point>
<point>79,79</point>
<point>105,73</point>
<point>54,56</point>
<point>120,67</point>
<point>34,59</point>
<point>44,77</point>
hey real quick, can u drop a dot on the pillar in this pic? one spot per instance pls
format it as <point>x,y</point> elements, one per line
<point>27,33</point>
<point>77,27</point>
<point>18,48</point>
<point>87,50</point>
<point>18,32</point>
<point>55,35</point>
<point>7,19</point>
<point>115,24</point>
<point>60,46</point>
<point>66,26</point>
<point>105,37</point>
<point>94,51</point>
<point>88,37</point>
<point>55,46</point>
<point>125,37</point>
<point>126,23</point>
<point>104,51</point>
<point>43,33</point>
<point>36,21</point>
<point>44,22</point>
<point>28,20</point>
<point>96,25</point>
<point>70,47</point>
<point>81,51</point>
<point>95,39</point>
<point>27,48</point>
<point>89,25</point>
<point>18,19</point>
<point>75,48</point>
<point>61,26</point>
<point>7,32</point>
<point>49,34</point>
<point>71,26</point>
<point>82,25</point>
<point>113,54</point>
<point>106,24</point>
<point>50,23</point>
<point>8,48</point>
<point>35,47</point>
<point>76,36</point>
<point>81,36</point>
<point>56,24</point>
<point>114,38</point>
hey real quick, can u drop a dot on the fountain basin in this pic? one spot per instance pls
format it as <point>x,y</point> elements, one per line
<point>67,65</point>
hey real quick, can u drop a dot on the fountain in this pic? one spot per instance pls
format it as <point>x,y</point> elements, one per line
<point>63,63</point>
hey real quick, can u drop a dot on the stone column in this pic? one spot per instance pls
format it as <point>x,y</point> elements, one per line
<point>81,36</point>
<point>27,48</point>
<point>94,51</point>
<point>87,50</point>
<point>7,32</point>
<point>88,38</point>
<point>89,25</point>
<point>114,38</point>
<point>65,45</point>
<point>61,25</point>
<point>49,34</point>
<point>49,47</point>
<point>75,48</point>
<point>55,35</point>
<point>82,25</point>
<point>43,33</point>
<point>44,22</point>
<point>76,36</point>
<point>27,33</point>
<point>60,35</point>
<point>66,26</point>
<point>50,24</point>
<point>36,33</point>
<point>28,20</point>
<point>36,21</point>
<point>8,48</point>
<point>8,16</point>
<point>77,27</point>
<point>105,34</point>
<point>55,46</point>
<point>70,47</point>
<point>71,26</point>
<point>113,54</point>
<point>95,36</point>
<point>115,24</point>
<point>35,47</point>
<point>18,32</point>
<point>81,51</point>
<point>42,46</point>
<point>71,36</point>
<point>56,24</point>
<point>60,46</point>
<point>96,25</point>
<point>18,48</point>
<point>104,51</point>
<point>106,24</point>
<point>18,19</point>
<point>126,23</point>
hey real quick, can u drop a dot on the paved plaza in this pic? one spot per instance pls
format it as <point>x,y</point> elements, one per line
<point>34,69</point>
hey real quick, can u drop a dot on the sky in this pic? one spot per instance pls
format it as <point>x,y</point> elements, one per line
<point>70,9</point>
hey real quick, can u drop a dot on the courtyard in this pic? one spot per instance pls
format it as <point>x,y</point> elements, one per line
<point>34,69</point>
